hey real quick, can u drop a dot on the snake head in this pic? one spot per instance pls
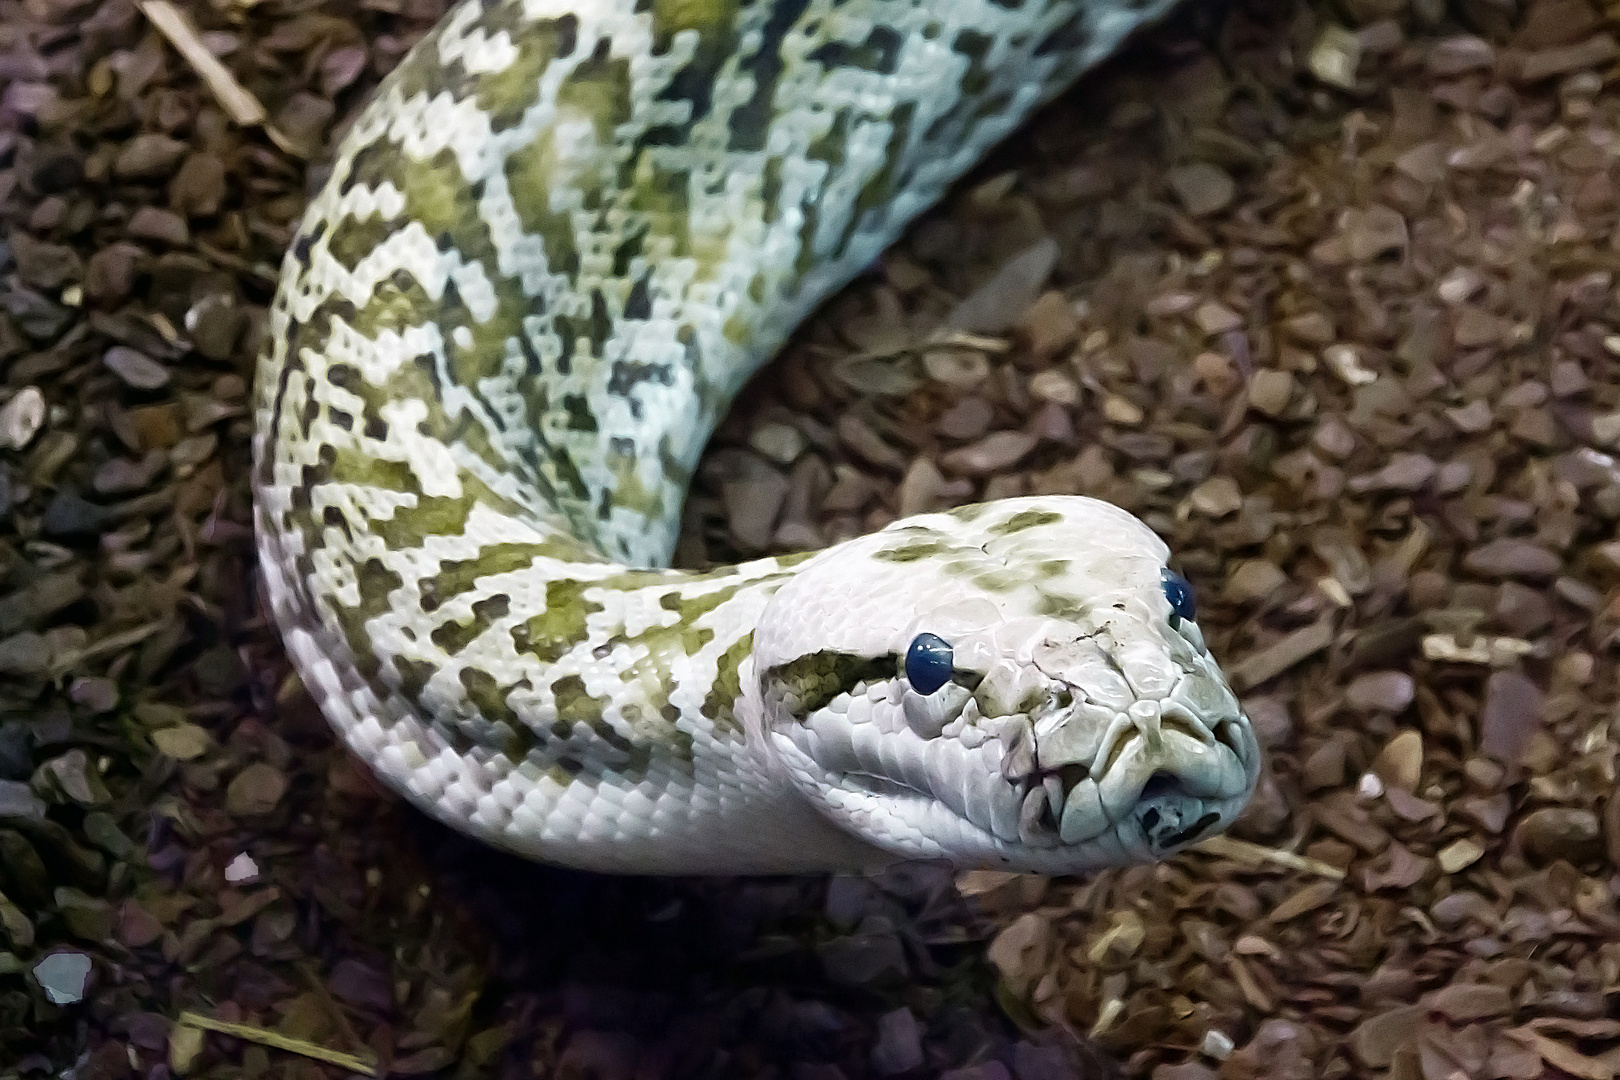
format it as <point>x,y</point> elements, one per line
<point>1019,685</point>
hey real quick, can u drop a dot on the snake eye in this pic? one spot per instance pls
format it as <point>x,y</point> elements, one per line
<point>928,663</point>
<point>1179,592</point>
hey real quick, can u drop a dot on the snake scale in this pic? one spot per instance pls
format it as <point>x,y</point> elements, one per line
<point>552,247</point>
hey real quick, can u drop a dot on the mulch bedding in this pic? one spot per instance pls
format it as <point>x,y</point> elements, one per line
<point>1326,293</point>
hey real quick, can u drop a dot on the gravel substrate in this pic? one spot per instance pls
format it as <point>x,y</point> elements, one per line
<point>1326,293</point>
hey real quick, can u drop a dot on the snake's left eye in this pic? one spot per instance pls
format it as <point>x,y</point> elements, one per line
<point>928,663</point>
<point>1179,592</point>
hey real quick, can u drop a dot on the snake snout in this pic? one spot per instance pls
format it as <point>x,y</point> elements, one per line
<point>1169,815</point>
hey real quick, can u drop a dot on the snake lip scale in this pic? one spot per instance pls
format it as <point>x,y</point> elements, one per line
<point>553,246</point>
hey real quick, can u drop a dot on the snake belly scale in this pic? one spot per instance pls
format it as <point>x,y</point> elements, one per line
<point>551,249</point>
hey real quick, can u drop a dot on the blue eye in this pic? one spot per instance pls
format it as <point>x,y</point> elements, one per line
<point>1180,594</point>
<point>928,663</point>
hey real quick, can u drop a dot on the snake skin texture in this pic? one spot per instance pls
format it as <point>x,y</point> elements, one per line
<point>552,248</point>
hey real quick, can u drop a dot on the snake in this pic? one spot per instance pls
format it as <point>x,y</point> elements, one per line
<point>552,247</point>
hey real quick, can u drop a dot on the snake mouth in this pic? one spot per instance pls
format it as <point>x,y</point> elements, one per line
<point>1159,779</point>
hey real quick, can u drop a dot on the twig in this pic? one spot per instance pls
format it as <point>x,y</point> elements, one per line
<point>236,99</point>
<point>1243,851</point>
<point>275,1040</point>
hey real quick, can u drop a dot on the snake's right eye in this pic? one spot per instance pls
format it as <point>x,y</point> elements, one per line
<point>928,663</point>
<point>1179,592</point>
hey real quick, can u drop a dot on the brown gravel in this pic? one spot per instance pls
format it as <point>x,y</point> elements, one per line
<point>1326,293</point>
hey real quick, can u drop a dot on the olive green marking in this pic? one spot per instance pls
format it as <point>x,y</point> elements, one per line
<point>375,582</point>
<point>452,637</point>
<point>552,633</point>
<point>817,678</point>
<point>507,94</point>
<point>577,706</point>
<point>969,513</point>
<point>598,89</point>
<point>1025,519</point>
<point>630,493</point>
<point>457,576</point>
<point>1059,606</point>
<point>999,581</point>
<point>915,552</point>
<point>720,703</point>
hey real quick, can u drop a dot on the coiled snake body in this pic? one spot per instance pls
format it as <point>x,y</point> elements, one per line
<point>559,239</point>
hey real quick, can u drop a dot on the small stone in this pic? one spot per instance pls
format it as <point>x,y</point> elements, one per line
<point>1214,318</point>
<point>136,368</point>
<point>1489,813</point>
<point>1050,326</point>
<point>1476,328</point>
<point>1334,438</point>
<point>1335,57</point>
<point>240,869</point>
<point>1465,1003</point>
<point>1512,558</point>
<point>1202,188</point>
<point>996,451</point>
<point>963,369</point>
<point>1406,472</point>
<point>70,516</point>
<point>1254,580</point>
<point>1459,855</point>
<point>63,976</point>
<point>778,442</point>
<point>45,265</point>
<point>1381,691</point>
<point>198,187</point>
<point>304,119</point>
<point>867,444</point>
<point>1560,832</point>
<point>17,800</point>
<point>1345,362</point>
<point>1472,418</point>
<point>136,927</point>
<point>1377,1038</point>
<point>1425,163</point>
<point>1055,387</point>
<point>1310,328</point>
<point>968,419</point>
<point>185,1045</point>
<point>21,418</point>
<point>1325,767</point>
<point>26,653</point>
<point>1270,391</point>
<point>1453,56</point>
<point>1374,232</point>
<point>1119,410</point>
<point>148,156</point>
<point>1568,379</point>
<point>1547,63</point>
<point>899,1043</point>
<point>753,504</point>
<point>1460,284</point>
<point>109,274</point>
<point>42,320</point>
<point>255,790</point>
<point>1400,763</point>
<point>183,742</point>
<point>1395,868</point>
<point>163,226</point>
<point>999,303</point>
<point>1216,497</point>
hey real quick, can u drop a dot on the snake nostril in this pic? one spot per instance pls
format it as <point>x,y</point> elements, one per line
<point>1161,785</point>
